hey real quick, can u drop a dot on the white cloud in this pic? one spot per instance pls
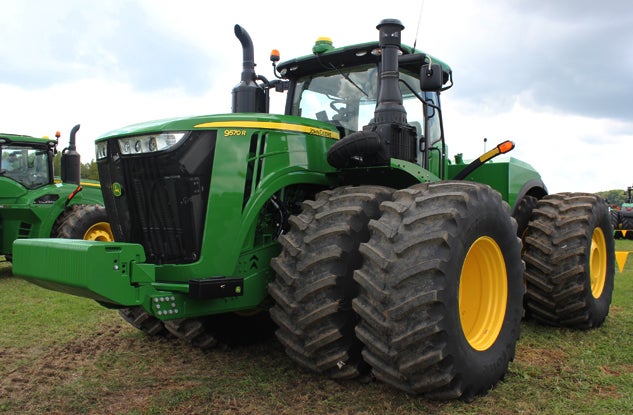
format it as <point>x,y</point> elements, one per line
<point>571,152</point>
<point>108,64</point>
<point>95,103</point>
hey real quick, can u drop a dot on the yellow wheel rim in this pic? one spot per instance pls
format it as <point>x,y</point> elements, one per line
<point>100,231</point>
<point>483,293</point>
<point>597,263</point>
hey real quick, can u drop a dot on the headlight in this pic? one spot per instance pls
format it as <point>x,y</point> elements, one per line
<point>148,143</point>
<point>101,148</point>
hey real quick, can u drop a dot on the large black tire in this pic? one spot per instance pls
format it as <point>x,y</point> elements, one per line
<point>314,286</point>
<point>615,218</point>
<point>223,330</point>
<point>194,331</point>
<point>143,321</point>
<point>441,290</point>
<point>88,222</point>
<point>523,213</point>
<point>570,261</point>
<point>627,221</point>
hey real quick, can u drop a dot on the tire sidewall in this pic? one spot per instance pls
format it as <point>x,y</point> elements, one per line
<point>599,307</point>
<point>487,366</point>
<point>80,220</point>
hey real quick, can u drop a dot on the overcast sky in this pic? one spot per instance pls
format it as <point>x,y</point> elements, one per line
<point>554,76</point>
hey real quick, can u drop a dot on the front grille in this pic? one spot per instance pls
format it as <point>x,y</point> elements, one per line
<point>164,196</point>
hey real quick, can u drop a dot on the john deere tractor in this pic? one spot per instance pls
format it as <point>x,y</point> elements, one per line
<point>34,204</point>
<point>622,217</point>
<point>344,220</point>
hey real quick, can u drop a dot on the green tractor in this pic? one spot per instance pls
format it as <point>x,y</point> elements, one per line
<point>622,217</point>
<point>33,204</point>
<point>344,221</point>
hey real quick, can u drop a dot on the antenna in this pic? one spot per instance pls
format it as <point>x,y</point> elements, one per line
<point>415,42</point>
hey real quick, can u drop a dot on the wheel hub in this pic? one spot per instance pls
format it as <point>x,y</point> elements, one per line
<point>483,293</point>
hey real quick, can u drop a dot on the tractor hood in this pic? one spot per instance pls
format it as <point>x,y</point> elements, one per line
<point>237,120</point>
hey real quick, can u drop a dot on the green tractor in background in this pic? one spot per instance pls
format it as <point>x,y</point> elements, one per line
<point>344,221</point>
<point>33,204</point>
<point>622,217</point>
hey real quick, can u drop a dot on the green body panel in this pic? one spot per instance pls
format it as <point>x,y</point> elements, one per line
<point>232,243</point>
<point>22,217</point>
<point>31,213</point>
<point>512,178</point>
<point>79,261</point>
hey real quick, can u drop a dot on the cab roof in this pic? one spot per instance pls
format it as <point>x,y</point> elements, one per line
<point>355,55</point>
<point>18,138</point>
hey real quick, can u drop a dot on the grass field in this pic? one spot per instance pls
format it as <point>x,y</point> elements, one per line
<point>65,355</point>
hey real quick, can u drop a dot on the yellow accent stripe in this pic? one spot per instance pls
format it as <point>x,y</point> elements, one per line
<point>57,181</point>
<point>267,125</point>
<point>490,154</point>
<point>620,258</point>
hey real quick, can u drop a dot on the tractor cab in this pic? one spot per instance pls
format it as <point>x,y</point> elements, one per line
<point>28,161</point>
<point>342,86</point>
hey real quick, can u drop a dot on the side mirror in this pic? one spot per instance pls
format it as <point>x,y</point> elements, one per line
<point>431,77</point>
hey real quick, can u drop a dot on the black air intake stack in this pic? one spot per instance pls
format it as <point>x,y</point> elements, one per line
<point>388,135</point>
<point>247,95</point>
<point>71,160</point>
<point>390,117</point>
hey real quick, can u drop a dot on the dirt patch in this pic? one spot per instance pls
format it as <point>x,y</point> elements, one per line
<point>548,361</point>
<point>117,369</point>
<point>42,368</point>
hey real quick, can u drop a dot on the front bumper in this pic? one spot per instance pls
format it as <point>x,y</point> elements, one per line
<point>98,270</point>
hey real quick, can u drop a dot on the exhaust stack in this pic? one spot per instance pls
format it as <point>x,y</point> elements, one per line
<point>247,95</point>
<point>71,160</point>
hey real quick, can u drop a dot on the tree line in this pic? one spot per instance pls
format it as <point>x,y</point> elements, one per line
<point>88,170</point>
<point>613,197</point>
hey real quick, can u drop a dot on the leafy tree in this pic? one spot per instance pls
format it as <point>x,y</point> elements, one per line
<point>613,197</point>
<point>88,170</point>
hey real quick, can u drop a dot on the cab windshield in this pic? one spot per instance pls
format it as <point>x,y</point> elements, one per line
<point>26,165</point>
<point>347,98</point>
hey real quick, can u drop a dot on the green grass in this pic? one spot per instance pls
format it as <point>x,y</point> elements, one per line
<point>66,355</point>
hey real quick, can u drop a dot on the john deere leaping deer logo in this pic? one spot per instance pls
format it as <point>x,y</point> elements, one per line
<point>117,190</point>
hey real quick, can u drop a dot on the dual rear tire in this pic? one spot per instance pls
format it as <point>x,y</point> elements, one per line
<point>435,289</point>
<point>314,288</point>
<point>570,261</point>
<point>435,277</point>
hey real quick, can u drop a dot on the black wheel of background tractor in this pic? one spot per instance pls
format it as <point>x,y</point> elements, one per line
<point>570,261</point>
<point>143,321</point>
<point>627,224</point>
<point>314,286</point>
<point>615,222</point>
<point>88,222</point>
<point>441,290</point>
<point>523,212</point>
<point>615,219</point>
